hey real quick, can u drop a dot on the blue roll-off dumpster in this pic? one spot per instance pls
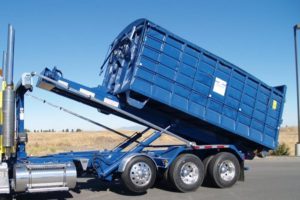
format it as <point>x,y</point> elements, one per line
<point>221,114</point>
<point>166,79</point>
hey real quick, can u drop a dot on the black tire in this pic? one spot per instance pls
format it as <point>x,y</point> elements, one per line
<point>133,183</point>
<point>166,176</point>
<point>206,162</point>
<point>188,161</point>
<point>231,172</point>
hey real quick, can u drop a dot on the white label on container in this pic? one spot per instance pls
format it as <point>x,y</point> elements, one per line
<point>86,92</point>
<point>111,102</point>
<point>220,86</point>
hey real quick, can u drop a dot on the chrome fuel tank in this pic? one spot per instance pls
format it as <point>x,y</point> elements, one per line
<point>44,177</point>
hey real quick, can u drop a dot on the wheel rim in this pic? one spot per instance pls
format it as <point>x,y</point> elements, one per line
<point>140,174</point>
<point>227,170</point>
<point>189,173</point>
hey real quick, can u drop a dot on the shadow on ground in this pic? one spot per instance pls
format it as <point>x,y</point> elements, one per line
<point>94,185</point>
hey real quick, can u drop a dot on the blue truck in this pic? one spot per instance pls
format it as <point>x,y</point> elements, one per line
<point>221,114</point>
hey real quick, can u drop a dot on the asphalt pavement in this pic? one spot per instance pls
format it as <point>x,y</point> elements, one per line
<point>269,178</point>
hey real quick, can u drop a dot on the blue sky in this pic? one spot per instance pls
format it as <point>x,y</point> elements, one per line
<point>74,36</point>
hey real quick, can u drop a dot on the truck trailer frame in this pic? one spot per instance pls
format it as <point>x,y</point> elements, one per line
<point>136,162</point>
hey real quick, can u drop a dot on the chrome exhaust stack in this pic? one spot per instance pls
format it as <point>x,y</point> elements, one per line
<point>9,96</point>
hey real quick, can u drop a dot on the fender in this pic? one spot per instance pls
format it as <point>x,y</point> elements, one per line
<point>128,158</point>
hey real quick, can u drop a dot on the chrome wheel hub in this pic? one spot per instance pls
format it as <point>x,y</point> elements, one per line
<point>227,170</point>
<point>140,174</point>
<point>189,173</point>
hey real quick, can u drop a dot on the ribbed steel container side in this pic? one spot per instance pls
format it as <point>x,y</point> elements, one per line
<point>149,63</point>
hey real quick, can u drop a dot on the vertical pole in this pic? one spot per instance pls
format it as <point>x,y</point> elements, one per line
<point>297,149</point>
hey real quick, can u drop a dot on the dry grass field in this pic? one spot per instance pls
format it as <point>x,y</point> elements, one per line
<point>45,143</point>
<point>289,136</point>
